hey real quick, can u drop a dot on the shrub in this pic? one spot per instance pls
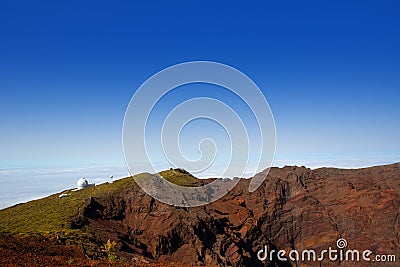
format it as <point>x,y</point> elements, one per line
<point>108,248</point>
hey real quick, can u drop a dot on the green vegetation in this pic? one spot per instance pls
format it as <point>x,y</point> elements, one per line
<point>109,248</point>
<point>51,216</point>
<point>181,177</point>
<point>59,215</point>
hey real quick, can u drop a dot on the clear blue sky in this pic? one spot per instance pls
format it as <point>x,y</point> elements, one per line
<point>329,69</point>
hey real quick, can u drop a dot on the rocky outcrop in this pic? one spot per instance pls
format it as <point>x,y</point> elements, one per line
<point>295,208</point>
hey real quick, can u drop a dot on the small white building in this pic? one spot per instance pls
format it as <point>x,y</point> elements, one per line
<point>83,183</point>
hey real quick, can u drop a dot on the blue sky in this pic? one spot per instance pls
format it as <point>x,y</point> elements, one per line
<point>330,71</point>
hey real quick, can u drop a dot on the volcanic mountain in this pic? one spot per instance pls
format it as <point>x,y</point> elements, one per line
<point>296,208</point>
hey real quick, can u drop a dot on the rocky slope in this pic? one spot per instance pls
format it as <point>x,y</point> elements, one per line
<point>295,208</point>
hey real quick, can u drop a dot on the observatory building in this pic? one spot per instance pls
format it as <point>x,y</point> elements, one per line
<point>83,183</point>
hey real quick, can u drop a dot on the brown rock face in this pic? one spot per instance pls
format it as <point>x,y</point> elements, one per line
<point>295,208</point>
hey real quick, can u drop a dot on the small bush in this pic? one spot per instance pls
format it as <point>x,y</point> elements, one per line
<point>108,248</point>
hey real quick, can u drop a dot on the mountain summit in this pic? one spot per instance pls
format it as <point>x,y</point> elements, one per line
<point>295,208</point>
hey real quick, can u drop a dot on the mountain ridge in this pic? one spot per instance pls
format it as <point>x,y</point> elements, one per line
<point>295,207</point>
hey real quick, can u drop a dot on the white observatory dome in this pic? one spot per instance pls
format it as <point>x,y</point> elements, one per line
<point>82,183</point>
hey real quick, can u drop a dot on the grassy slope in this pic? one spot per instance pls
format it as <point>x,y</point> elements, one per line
<point>181,177</point>
<point>51,215</point>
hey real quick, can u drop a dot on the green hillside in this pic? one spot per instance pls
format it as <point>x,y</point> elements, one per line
<point>52,215</point>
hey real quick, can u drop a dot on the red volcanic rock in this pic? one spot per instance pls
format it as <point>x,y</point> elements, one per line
<point>296,208</point>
